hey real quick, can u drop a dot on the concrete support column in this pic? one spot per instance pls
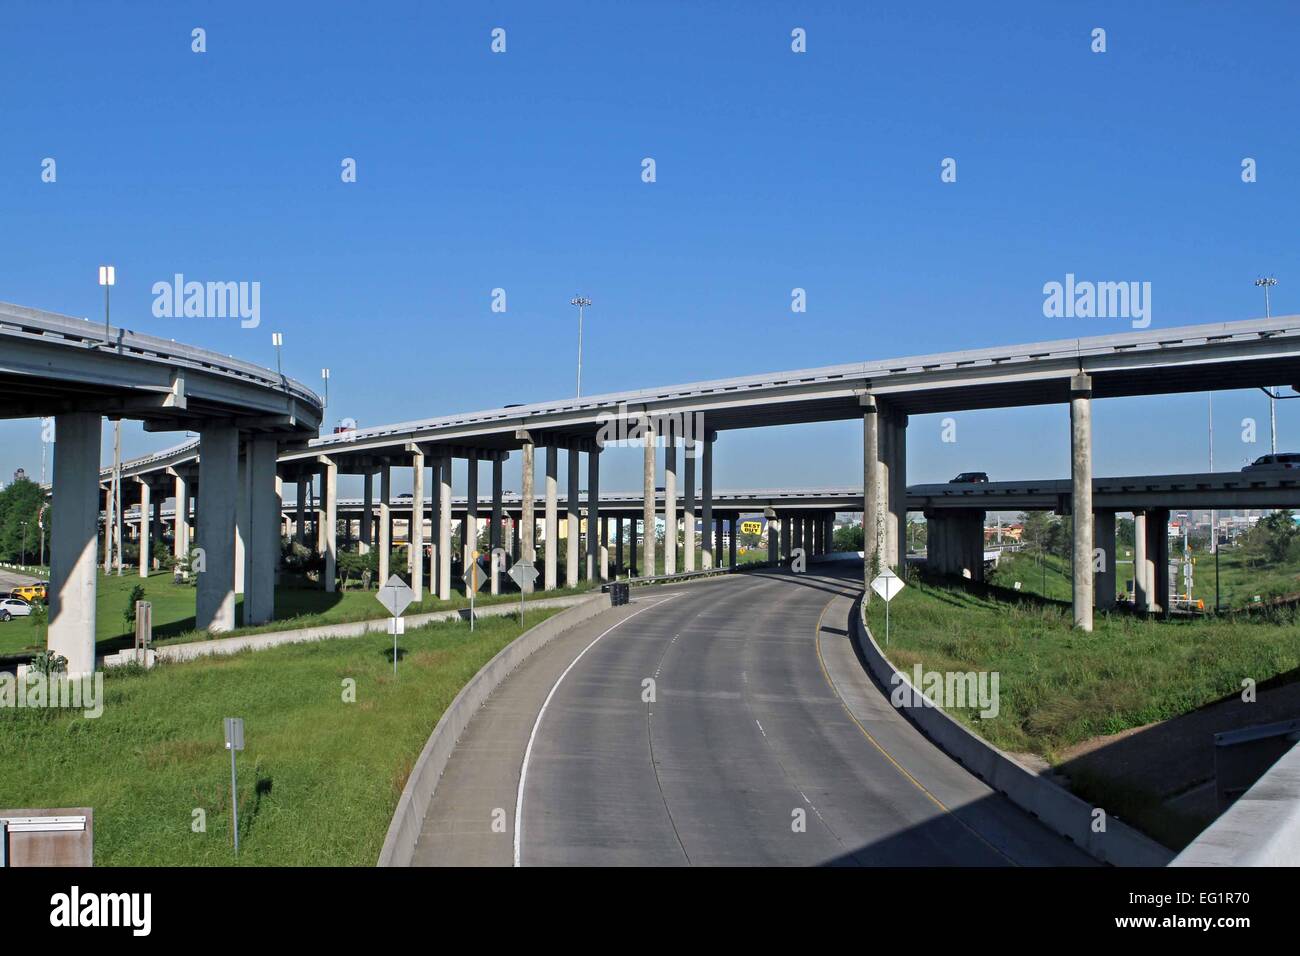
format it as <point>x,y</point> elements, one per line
<point>469,540</point>
<point>1141,565</point>
<point>108,528</point>
<point>551,520</point>
<point>218,482</point>
<point>330,504</point>
<point>1157,560</point>
<point>773,542</point>
<point>689,450</point>
<point>73,569</point>
<point>242,522</point>
<point>300,521</point>
<point>527,551</point>
<point>889,532</point>
<point>706,502</point>
<point>618,543</point>
<point>604,548</point>
<point>719,540</point>
<point>146,528</point>
<point>181,519</point>
<point>1081,497</point>
<point>870,493</point>
<point>1104,576</point>
<point>444,526</point>
<point>731,543</point>
<point>806,525</point>
<point>573,518</point>
<point>648,501</point>
<point>670,500</point>
<point>367,513</point>
<point>494,532</point>
<point>632,552</point>
<point>262,547</point>
<point>898,491</point>
<point>415,525</point>
<point>385,522</point>
<point>593,515</point>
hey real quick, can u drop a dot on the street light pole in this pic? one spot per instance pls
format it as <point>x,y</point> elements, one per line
<point>581,301</point>
<point>1266,283</point>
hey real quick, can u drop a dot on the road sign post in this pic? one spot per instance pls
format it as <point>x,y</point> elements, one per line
<point>234,727</point>
<point>523,573</point>
<point>887,584</point>
<point>397,596</point>
<point>474,579</point>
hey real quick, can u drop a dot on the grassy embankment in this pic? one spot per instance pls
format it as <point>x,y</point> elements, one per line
<point>1060,687</point>
<point>173,611</point>
<point>318,781</point>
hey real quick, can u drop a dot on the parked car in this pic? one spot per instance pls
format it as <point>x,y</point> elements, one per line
<point>11,607</point>
<point>1289,461</point>
<point>30,592</point>
<point>971,478</point>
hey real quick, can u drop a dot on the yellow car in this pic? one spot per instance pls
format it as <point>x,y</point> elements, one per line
<point>29,592</point>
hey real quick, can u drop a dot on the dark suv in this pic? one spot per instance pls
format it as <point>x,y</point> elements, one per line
<point>971,478</point>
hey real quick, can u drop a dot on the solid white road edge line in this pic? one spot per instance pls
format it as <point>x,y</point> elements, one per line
<point>528,751</point>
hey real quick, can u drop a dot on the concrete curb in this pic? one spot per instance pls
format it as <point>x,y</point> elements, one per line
<point>1057,808</point>
<point>324,632</point>
<point>1262,828</point>
<point>413,805</point>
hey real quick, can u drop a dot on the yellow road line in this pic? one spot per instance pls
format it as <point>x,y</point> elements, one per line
<point>876,743</point>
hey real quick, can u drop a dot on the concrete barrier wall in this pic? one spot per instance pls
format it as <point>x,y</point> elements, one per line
<point>1057,808</point>
<point>1262,828</point>
<point>324,632</point>
<point>413,806</point>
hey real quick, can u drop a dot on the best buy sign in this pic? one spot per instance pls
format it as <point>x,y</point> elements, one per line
<point>751,527</point>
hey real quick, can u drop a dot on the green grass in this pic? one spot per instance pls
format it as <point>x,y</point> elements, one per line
<point>1239,581</point>
<point>173,611</point>
<point>1059,686</point>
<point>318,781</point>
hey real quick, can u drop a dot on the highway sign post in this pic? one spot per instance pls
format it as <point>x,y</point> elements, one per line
<point>397,596</point>
<point>524,573</point>
<point>474,579</point>
<point>887,584</point>
<point>234,727</point>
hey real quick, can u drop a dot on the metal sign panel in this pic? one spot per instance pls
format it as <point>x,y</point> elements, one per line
<point>396,595</point>
<point>234,733</point>
<point>887,584</point>
<point>523,573</point>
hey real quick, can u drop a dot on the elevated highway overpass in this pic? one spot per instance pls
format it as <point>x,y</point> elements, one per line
<point>882,393</point>
<point>79,372</point>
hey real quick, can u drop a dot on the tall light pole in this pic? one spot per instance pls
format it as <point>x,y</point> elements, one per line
<point>325,377</point>
<point>581,301</point>
<point>1266,283</point>
<point>278,340</point>
<point>107,278</point>
<point>113,516</point>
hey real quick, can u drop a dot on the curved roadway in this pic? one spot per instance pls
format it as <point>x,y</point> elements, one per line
<point>765,744</point>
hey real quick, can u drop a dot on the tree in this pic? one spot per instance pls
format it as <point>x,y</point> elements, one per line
<point>20,503</point>
<point>1270,540</point>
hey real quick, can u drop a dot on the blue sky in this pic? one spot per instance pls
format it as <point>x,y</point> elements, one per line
<point>775,170</point>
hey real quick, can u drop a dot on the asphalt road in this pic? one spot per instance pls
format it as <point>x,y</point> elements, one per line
<point>761,741</point>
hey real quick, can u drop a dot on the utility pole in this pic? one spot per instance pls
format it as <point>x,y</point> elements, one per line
<point>581,301</point>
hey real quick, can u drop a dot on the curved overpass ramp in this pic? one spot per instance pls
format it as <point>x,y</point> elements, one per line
<point>765,744</point>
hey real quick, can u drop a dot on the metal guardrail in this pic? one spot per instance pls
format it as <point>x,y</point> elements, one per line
<point>681,576</point>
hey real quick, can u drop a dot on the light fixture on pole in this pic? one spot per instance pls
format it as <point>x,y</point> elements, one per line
<point>581,301</point>
<point>325,377</point>
<point>1266,283</point>
<point>107,278</point>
